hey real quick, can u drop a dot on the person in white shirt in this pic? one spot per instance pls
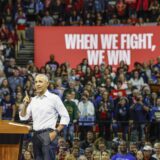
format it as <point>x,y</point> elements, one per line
<point>44,108</point>
<point>87,115</point>
<point>137,80</point>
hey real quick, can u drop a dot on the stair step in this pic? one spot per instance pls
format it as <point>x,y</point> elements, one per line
<point>23,61</point>
<point>28,47</point>
<point>25,54</point>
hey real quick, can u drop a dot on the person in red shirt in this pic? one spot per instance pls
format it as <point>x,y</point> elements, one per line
<point>21,27</point>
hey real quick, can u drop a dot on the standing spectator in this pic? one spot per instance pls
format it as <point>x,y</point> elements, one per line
<point>122,116</point>
<point>137,80</point>
<point>21,22</point>
<point>31,10</point>
<point>138,113</point>
<point>87,114</point>
<point>147,71</point>
<point>13,42</point>
<point>73,113</point>
<point>155,120</point>
<point>4,33</point>
<point>53,63</point>
<point>105,116</point>
<point>142,7</point>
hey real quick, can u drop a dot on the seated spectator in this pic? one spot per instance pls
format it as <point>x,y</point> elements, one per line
<point>121,9</point>
<point>139,155</point>
<point>15,80</point>
<point>105,155</point>
<point>47,20</point>
<point>31,10</point>
<point>7,107</point>
<point>57,9</point>
<point>70,157</point>
<point>88,153</point>
<point>18,105</point>
<point>2,77</point>
<point>157,150</point>
<point>74,18</point>
<point>153,10</point>
<point>123,152</point>
<point>27,155</point>
<point>5,87</point>
<point>147,153</point>
<point>75,152</point>
<point>82,157</point>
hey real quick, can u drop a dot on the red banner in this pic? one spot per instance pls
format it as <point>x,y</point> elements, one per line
<point>108,45</point>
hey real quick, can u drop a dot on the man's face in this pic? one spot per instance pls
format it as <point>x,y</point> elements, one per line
<point>147,153</point>
<point>158,102</point>
<point>41,85</point>
<point>89,135</point>
<point>123,147</point>
<point>68,97</point>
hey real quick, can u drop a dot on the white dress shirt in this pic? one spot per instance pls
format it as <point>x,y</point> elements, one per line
<point>86,109</point>
<point>45,110</point>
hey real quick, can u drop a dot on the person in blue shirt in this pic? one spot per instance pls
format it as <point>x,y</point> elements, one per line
<point>155,120</point>
<point>7,107</point>
<point>138,114</point>
<point>123,154</point>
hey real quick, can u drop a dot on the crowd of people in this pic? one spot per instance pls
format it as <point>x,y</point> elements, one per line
<point>113,112</point>
<point>107,105</point>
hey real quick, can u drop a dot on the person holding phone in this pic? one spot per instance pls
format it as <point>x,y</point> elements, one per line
<point>45,108</point>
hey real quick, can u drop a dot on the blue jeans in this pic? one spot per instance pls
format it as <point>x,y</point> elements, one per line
<point>43,147</point>
<point>68,132</point>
